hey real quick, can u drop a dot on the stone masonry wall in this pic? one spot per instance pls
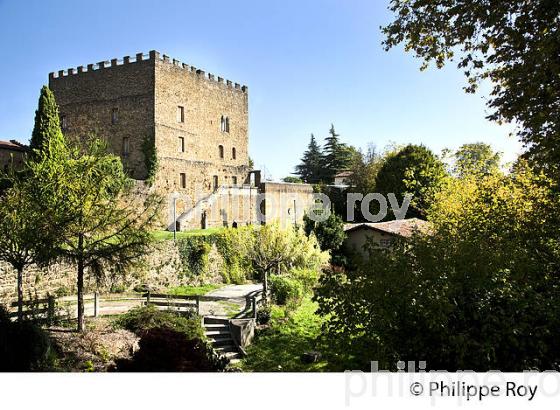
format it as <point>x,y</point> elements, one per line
<point>205,100</point>
<point>10,158</point>
<point>138,98</point>
<point>161,268</point>
<point>88,97</point>
<point>286,203</point>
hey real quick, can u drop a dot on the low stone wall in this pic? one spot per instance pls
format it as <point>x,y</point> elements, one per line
<point>160,268</point>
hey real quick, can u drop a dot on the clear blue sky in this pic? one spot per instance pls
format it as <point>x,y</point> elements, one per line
<point>307,64</point>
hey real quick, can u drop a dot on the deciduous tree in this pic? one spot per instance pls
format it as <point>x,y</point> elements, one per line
<point>478,159</point>
<point>412,170</point>
<point>276,249</point>
<point>477,291</point>
<point>512,43</point>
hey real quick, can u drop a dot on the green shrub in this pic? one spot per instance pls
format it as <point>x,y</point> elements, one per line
<point>24,346</point>
<point>167,350</point>
<point>232,245</point>
<point>330,233</point>
<point>194,252</point>
<point>285,290</point>
<point>263,315</point>
<point>236,274</point>
<point>307,277</point>
<point>141,319</point>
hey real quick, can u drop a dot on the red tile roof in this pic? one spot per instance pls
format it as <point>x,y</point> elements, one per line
<point>13,145</point>
<point>402,227</point>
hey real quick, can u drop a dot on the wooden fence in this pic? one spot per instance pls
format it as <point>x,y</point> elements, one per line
<point>51,309</point>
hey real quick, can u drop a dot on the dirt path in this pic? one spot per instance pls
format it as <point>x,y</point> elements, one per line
<point>234,300</point>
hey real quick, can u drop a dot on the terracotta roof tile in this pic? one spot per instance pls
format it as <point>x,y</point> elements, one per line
<point>402,227</point>
<point>13,145</point>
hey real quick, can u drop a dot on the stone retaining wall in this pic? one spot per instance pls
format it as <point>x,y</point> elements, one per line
<point>161,268</point>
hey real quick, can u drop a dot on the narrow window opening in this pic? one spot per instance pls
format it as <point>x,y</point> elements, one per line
<point>126,146</point>
<point>180,114</point>
<point>215,182</point>
<point>114,116</point>
<point>233,153</point>
<point>221,151</point>
<point>181,144</point>
<point>183,180</point>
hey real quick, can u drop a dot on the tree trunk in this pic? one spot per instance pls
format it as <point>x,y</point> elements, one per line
<point>265,287</point>
<point>80,283</point>
<point>20,293</point>
<point>80,295</point>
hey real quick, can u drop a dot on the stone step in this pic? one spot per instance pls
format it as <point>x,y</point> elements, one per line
<point>226,341</point>
<point>215,326</point>
<point>220,332</point>
<point>230,355</point>
<point>226,349</point>
<point>215,320</point>
<point>219,336</point>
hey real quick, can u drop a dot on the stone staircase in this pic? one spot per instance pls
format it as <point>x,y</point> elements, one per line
<point>192,217</point>
<point>219,335</point>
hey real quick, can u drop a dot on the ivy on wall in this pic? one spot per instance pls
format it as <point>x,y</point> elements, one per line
<point>150,157</point>
<point>230,244</point>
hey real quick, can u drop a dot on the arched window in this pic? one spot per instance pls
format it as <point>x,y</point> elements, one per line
<point>227,124</point>
<point>233,153</point>
<point>221,151</point>
<point>223,124</point>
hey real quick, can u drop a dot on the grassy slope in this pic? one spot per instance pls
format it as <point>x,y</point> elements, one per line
<point>167,235</point>
<point>280,347</point>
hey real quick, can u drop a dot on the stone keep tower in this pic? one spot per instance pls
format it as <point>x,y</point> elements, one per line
<point>197,122</point>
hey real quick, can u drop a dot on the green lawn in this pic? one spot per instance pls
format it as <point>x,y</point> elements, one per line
<point>193,290</point>
<point>167,235</point>
<point>280,347</point>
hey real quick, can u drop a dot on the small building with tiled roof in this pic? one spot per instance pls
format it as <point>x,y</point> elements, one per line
<point>12,153</point>
<point>343,178</point>
<point>380,234</point>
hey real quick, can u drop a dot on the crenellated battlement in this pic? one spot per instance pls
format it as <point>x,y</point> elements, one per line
<point>139,57</point>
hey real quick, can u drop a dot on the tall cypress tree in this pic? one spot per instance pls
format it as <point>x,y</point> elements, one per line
<point>337,157</point>
<point>310,168</point>
<point>47,121</point>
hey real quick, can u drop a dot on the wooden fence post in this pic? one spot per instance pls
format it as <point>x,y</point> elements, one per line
<point>148,297</point>
<point>254,306</point>
<point>95,304</point>
<point>50,308</point>
<point>197,300</point>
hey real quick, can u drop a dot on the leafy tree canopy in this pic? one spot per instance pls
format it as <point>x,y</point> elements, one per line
<point>478,291</point>
<point>478,158</point>
<point>329,233</point>
<point>292,180</point>
<point>412,170</point>
<point>513,43</point>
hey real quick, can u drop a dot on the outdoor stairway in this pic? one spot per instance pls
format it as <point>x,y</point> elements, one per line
<point>218,333</point>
